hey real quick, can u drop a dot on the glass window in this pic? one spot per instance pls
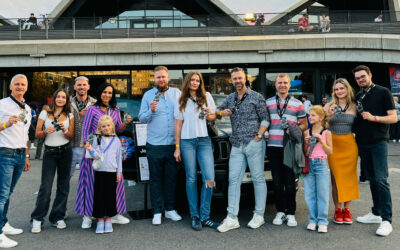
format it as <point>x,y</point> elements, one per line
<point>302,83</point>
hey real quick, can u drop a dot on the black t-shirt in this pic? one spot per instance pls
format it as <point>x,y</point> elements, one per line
<point>378,101</point>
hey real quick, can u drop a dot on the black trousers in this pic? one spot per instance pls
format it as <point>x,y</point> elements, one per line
<point>55,159</point>
<point>395,131</point>
<point>162,166</point>
<point>105,192</point>
<point>283,180</point>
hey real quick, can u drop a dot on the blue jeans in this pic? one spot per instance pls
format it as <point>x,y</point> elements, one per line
<point>316,191</point>
<point>253,153</point>
<point>11,167</point>
<point>193,151</point>
<point>375,167</point>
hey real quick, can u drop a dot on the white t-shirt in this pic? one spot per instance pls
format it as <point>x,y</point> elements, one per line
<point>57,138</point>
<point>15,136</point>
<point>193,126</point>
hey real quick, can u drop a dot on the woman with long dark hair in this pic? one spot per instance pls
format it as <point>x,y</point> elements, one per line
<point>343,161</point>
<point>106,105</point>
<point>193,144</point>
<point>56,126</point>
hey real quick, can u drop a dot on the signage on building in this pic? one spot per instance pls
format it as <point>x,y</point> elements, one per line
<point>296,87</point>
<point>394,73</point>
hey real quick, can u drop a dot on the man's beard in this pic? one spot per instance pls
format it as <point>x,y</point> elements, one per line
<point>162,89</point>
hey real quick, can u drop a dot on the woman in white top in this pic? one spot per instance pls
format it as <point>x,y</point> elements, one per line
<point>56,125</point>
<point>195,107</point>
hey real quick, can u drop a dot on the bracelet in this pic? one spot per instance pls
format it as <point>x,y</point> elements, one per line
<point>220,113</point>
<point>4,125</point>
<point>91,152</point>
<point>323,144</point>
<point>177,145</point>
<point>44,133</point>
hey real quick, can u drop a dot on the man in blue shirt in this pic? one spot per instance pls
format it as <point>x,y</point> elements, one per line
<point>157,110</point>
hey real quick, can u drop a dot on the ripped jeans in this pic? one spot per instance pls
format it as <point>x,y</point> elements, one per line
<point>193,151</point>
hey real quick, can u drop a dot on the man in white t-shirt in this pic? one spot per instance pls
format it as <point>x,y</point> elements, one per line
<point>15,119</point>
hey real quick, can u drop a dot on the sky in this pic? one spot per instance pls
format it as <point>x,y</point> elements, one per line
<point>258,6</point>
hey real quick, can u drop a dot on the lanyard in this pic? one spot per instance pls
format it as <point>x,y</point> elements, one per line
<point>238,102</point>
<point>195,101</point>
<point>278,105</point>
<point>81,105</point>
<point>109,144</point>
<point>21,105</point>
<point>339,109</point>
<point>366,92</point>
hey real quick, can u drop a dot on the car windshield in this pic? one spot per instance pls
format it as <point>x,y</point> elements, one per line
<point>223,124</point>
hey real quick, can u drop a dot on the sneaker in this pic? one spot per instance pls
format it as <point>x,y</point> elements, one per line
<point>100,227</point>
<point>363,180</point>
<point>369,218</point>
<point>77,166</point>
<point>173,215</point>
<point>228,224</point>
<point>36,226</point>
<point>384,229</point>
<point>119,219</point>
<point>86,222</point>
<point>322,229</point>
<point>347,217</point>
<point>196,223</point>
<point>338,216</point>
<point>210,223</point>
<point>291,220</point>
<point>33,146</point>
<point>60,224</point>
<point>9,230</point>
<point>311,226</point>
<point>156,219</point>
<point>257,221</point>
<point>279,218</point>
<point>108,227</point>
<point>6,242</point>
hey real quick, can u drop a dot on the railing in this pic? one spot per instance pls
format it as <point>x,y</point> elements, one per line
<point>192,26</point>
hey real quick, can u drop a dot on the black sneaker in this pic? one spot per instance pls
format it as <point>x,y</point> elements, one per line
<point>210,223</point>
<point>196,223</point>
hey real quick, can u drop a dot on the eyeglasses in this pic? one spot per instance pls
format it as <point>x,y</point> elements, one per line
<point>361,77</point>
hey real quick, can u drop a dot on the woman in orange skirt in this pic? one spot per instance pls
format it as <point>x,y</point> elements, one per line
<point>343,160</point>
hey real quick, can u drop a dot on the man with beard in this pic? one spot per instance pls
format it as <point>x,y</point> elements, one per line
<point>376,111</point>
<point>15,119</point>
<point>157,110</point>
<point>248,115</point>
<point>79,105</point>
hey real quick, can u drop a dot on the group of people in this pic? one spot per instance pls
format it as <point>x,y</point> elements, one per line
<point>83,130</point>
<point>303,24</point>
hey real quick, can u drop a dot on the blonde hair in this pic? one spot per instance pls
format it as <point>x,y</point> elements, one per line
<point>102,120</point>
<point>350,92</point>
<point>159,68</point>
<point>319,110</point>
<point>282,75</point>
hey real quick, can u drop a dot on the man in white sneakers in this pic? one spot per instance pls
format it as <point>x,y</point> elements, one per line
<point>15,119</point>
<point>246,109</point>
<point>157,110</point>
<point>283,109</point>
<point>376,111</point>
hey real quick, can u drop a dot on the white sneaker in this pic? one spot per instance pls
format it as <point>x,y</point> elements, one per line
<point>36,226</point>
<point>291,220</point>
<point>60,224</point>
<point>6,242</point>
<point>257,221</point>
<point>9,230</point>
<point>279,218</point>
<point>77,166</point>
<point>228,224</point>
<point>311,227</point>
<point>369,218</point>
<point>156,219</point>
<point>86,222</point>
<point>384,229</point>
<point>322,229</point>
<point>173,215</point>
<point>33,146</point>
<point>119,219</point>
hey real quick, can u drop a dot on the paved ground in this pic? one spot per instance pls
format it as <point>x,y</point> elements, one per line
<point>140,234</point>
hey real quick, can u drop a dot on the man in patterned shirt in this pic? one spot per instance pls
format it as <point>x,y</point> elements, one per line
<point>283,109</point>
<point>248,115</point>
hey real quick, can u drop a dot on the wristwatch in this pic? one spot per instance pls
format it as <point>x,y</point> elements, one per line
<point>28,156</point>
<point>259,136</point>
<point>376,118</point>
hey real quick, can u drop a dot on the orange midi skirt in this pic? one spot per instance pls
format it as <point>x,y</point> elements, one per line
<point>343,165</point>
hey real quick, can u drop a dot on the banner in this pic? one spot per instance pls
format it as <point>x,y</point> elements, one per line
<point>394,73</point>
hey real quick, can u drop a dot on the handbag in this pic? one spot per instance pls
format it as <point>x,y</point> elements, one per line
<point>306,168</point>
